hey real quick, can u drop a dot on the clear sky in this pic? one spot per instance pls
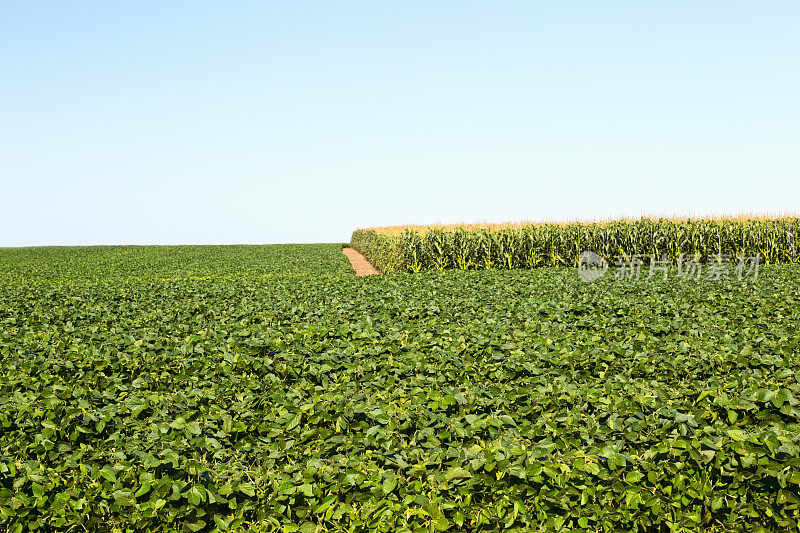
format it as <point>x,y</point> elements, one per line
<point>268,122</point>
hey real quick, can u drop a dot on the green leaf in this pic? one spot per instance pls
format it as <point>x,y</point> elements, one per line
<point>294,421</point>
<point>441,524</point>
<point>736,434</point>
<point>247,488</point>
<point>633,477</point>
<point>457,473</point>
<point>326,504</point>
<point>144,489</point>
<point>592,468</point>
<point>771,442</point>
<point>108,474</point>
<point>389,484</point>
<point>124,498</point>
<point>179,423</point>
<point>197,495</point>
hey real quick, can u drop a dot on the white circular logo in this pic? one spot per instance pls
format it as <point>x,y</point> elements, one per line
<point>591,266</point>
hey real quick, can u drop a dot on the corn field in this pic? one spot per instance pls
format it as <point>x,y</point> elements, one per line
<point>772,240</point>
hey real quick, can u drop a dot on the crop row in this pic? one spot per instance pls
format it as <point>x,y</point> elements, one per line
<point>771,240</point>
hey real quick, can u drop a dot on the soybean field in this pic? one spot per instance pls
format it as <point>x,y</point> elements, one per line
<point>267,388</point>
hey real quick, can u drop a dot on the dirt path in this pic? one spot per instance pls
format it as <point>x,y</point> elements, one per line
<point>360,263</point>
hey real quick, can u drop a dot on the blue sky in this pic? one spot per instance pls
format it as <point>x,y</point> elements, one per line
<point>266,122</point>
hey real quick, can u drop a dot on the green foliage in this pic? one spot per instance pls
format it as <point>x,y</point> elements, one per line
<point>268,388</point>
<point>384,254</point>
<point>774,241</point>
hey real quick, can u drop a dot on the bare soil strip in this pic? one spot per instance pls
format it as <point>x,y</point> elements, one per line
<point>360,263</point>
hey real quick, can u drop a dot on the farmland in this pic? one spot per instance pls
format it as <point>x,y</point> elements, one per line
<point>532,245</point>
<point>268,388</point>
